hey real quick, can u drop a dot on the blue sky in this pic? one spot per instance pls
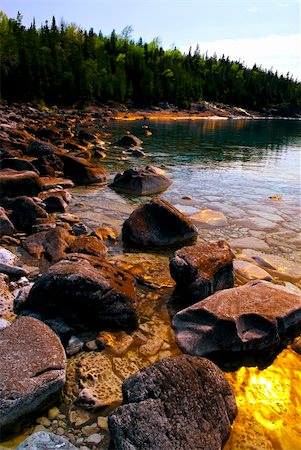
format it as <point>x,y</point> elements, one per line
<point>263,31</point>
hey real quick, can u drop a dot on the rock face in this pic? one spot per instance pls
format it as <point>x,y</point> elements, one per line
<point>14,183</point>
<point>251,317</point>
<point>129,140</point>
<point>85,290</point>
<point>178,403</point>
<point>157,224</point>
<point>202,269</point>
<point>46,441</point>
<point>80,172</point>
<point>32,369</point>
<point>140,181</point>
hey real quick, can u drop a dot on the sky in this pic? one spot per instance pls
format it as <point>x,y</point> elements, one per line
<point>265,32</point>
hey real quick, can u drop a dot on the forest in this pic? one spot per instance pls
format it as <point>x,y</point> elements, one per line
<point>66,65</point>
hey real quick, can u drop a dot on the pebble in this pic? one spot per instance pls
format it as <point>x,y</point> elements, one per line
<point>94,439</point>
<point>53,413</point>
<point>90,429</point>
<point>60,431</point>
<point>44,421</point>
<point>102,422</point>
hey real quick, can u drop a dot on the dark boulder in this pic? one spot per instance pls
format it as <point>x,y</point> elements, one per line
<point>140,181</point>
<point>253,317</point>
<point>80,171</point>
<point>178,403</point>
<point>6,226</point>
<point>18,164</point>
<point>48,165</point>
<point>129,140</point>
<point>32,370</point>
<point>39,149</point>
<point>202,269</point>
<point>55,202</point>
<point>14,183</point>
<point>85,290</point>
<point>25,213</point>
<point>157,224</point>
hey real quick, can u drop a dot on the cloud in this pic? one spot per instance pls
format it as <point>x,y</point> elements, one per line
<point>281,53</point>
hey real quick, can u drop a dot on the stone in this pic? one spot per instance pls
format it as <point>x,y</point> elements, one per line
<point>129,140</point>
<point>249,242</point>
<point>245,271</point>
<point>39,149</point>
<point>140,181</point>
<point>7,257</point>
<point>256,223</point>
<point>117,343</point>
<point>157,224</point>
<point>183,402</point>
<point>53,413</point>
<point>252,317</point>
<point>207,218</point>
<point>94,439</point>
<point>32,369</point>
<point>80,171</point>
<point>44,421</point>
<point>48,165</point>
<point>82,289</point>
<point>51,244</point>
<point>43,440</point>
<point>17,164</point>
<point>74,346</point>
<point>297,346</point>
<point>55,203</point>
<point>13,272</point>
<point>90,429</point>
<point>55,182</point>
<point>14,183</point>
<point>202,269</point>
<point>26,213</point>
<point>89,245</point>
<point>6,226</point>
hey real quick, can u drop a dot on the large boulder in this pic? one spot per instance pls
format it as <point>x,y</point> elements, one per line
<point>252,317</point>
<point>157,224</point>
<point>202,269</point>
<point>42,440</point>
<point>85,290</point>
<point>26,213</point>
<point>14,183</point>
<point>80,171</point>
<point>178,403</point>
<point>32,370</point>
<point>140,181</point>
<point>129,140</point>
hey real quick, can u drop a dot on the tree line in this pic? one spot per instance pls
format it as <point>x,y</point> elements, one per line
<point>64,64</point>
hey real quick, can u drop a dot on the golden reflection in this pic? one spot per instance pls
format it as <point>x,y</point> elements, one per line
<point>269,405</point>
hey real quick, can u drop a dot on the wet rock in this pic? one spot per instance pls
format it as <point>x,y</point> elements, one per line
<point>157,224</point>
<point>207,218</point>
<point>178,403</point>
<point>117,343</point>
<point>202,269</point>
<point>6,226</point>
<point>55,182</point>
<point>255,316</point>
<point>46,441</point>
<point>86,135</point>
<point>80,172</point>
<point>249,242</point>
<point>245,271</point>
<point>85,290</point>
<point>26,213</point>
<point>32,373</point>
<point>129,140</point>
<point>14,183</point>
<point>140,181</point>
<point>90,245</point>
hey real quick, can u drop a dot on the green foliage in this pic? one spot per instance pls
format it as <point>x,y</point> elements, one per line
<point>65,64</point>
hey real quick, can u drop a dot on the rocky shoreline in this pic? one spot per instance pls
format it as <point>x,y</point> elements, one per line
<point>85,312</point>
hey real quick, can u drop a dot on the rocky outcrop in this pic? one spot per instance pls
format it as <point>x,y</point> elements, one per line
<point>157,224</point>
<point>80,171</point>
<point>129,140</point>
<point>178,403</point>
<point>46,441</point>
<point>14,183</point>
<point>85,290</point>
<point>253,317</point>
<point>140,181</point>
<point>202,269</point>
<point>32,370</point>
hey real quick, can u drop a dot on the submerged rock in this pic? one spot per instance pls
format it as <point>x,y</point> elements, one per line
<point>32,369</point>
<point>129,140</point>
<point>140,181</point>
<point>202,269</point>
<point>157,224</point>
<point>254,317</point>
<point>178,403</point>
<point>42,440</point>
<point>207,218</point>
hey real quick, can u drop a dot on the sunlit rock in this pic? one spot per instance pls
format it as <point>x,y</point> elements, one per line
<point>245,271</point>
<point>249,242</point>
<point>207,218</point>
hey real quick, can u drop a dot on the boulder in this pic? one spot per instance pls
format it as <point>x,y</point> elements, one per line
<point>39,149</point>
<point>17,164</point>
<point>6,226</point>
<point>202,269</point>
<point>48,165</point>
<point>129,140</point>
<point>252,317</point>
<point>91,245</point>
<point>157,224</point>
<point>25,213</point>
<point>42,440</point>
<point>80,171</point>
<point>183,402</point>
<point>55,202</point>
<point>85,290</point>
<point>140,182</point>
<point>14,183</point>
<point>32,370</point>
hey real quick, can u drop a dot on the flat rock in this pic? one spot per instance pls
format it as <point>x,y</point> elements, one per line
<point>42,440</point>
<point>246,271</point>
<point>158,224</point>
<point>249,242</point>
<point>257,223</point>
<point>207,218</point>
<point>140,181</point>
<point>14,183</point>
<point>255,316</point>
<point>201,269</point>
<point>32,369</point>
<point>83,289</point>
<point>53,182</point>
<point>178,403</point>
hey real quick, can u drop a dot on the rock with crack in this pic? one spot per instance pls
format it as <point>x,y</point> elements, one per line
<point>85,290</point>
<point>32,370</point>
<point>183,402</point>
<point>140,181</point>
<point>252,317</point>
